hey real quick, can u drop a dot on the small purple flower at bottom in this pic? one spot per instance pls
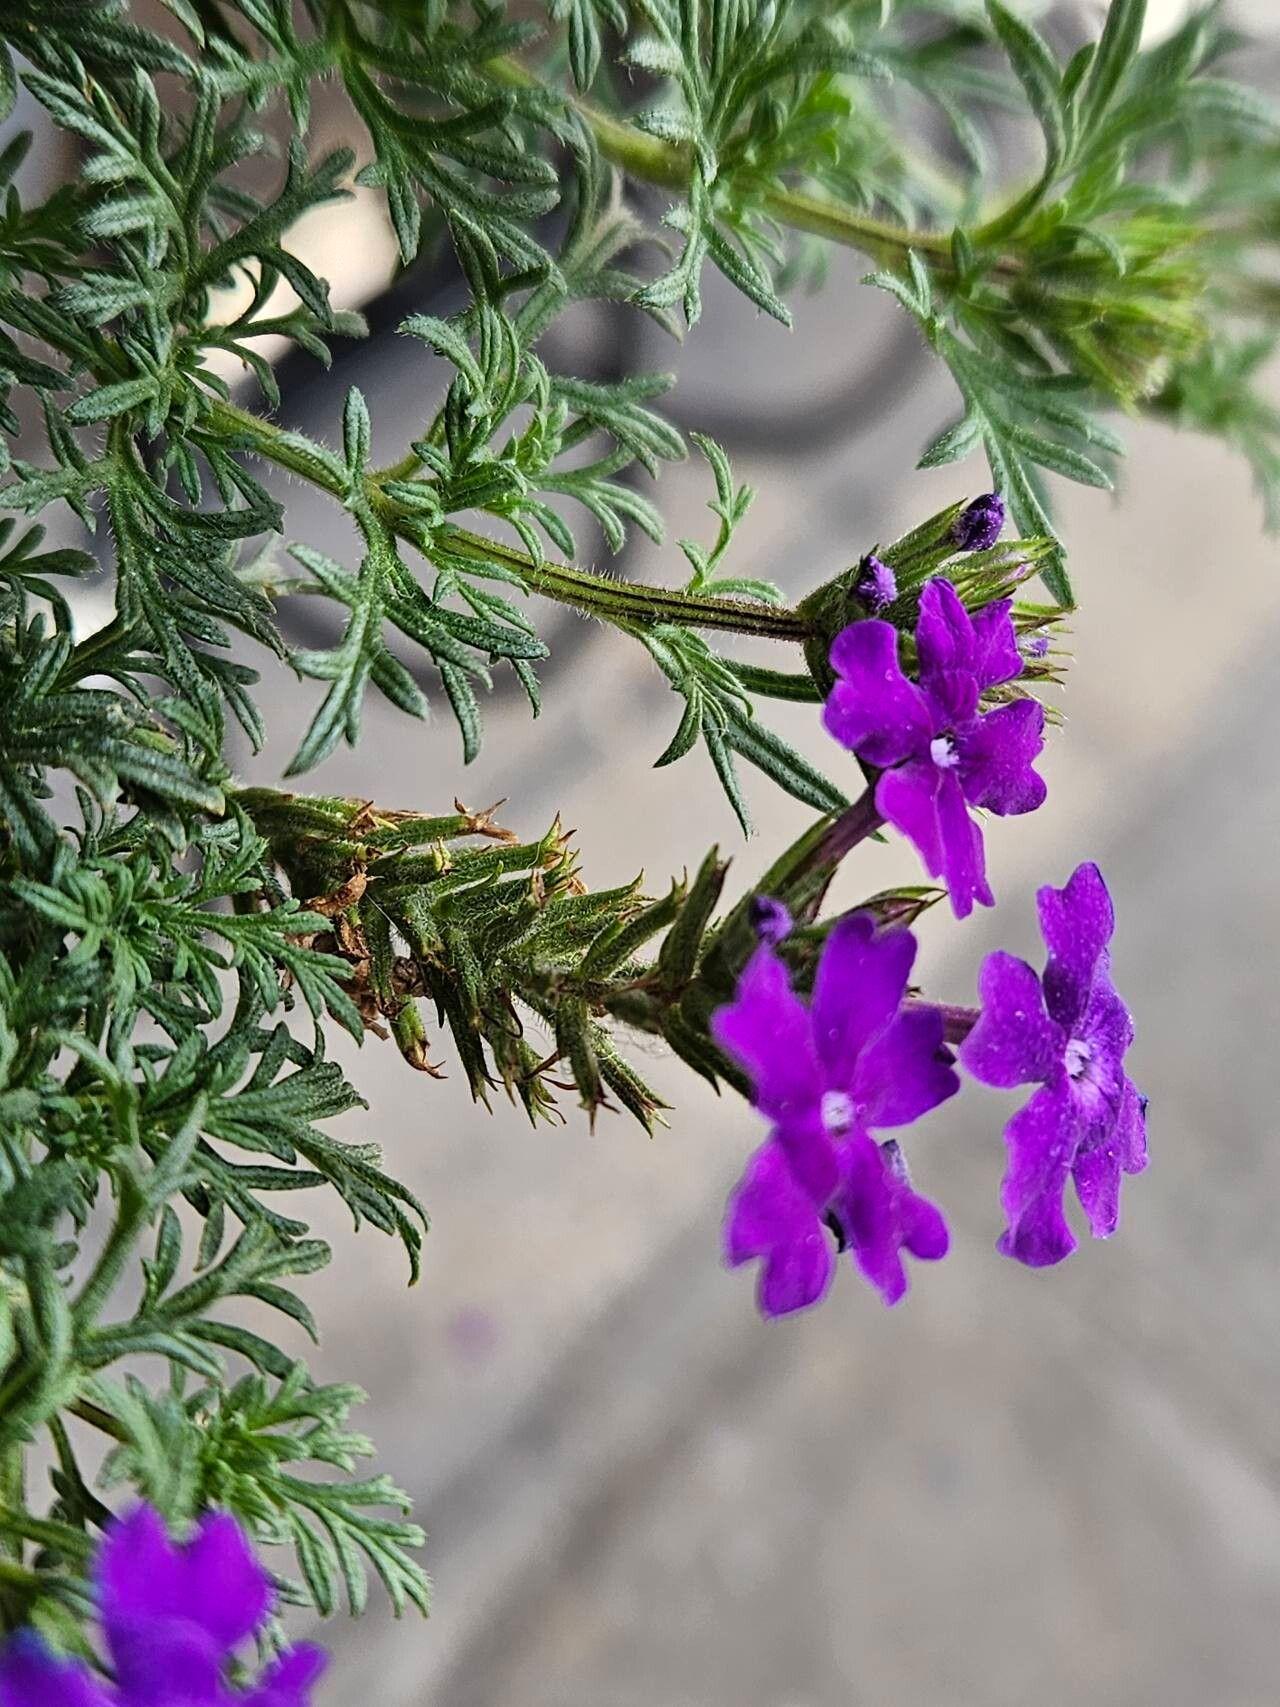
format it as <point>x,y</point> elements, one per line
<point>1067,1033</point>
<point>826,1076</point>
<point>979,525</point>
<point>938,753</point>
<point>172,1617</point>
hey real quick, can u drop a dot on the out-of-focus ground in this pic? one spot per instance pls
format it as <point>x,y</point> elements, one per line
<point>1061,1487</point>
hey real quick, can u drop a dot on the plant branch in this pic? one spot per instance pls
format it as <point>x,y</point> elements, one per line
<point>669,165</point>
<point>623,602</point>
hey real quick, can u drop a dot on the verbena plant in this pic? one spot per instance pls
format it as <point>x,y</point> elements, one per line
<point>177,945</point>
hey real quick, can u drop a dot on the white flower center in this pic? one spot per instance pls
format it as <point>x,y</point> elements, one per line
<point>942,750</point>
<point>1078,1056</point>
<point>837,1112</point>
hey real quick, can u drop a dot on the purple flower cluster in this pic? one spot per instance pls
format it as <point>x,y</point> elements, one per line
<point>826,1076</point>
<point>172,1617</point>
<point>860,1058</point>
<point>1067,1033</point>
<point>937,752</point>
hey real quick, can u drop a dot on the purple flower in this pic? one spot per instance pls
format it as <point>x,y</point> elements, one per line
<point>826,1076</point>
<point>879,585</point>
<point>172,1616</point>
<point>978,526</point>
<point>938,753</point>
<point>1067,1033</point>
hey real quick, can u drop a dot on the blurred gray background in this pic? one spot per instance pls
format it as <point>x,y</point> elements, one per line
<point>1060,1487</point>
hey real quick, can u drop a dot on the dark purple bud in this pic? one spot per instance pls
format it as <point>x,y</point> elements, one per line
<point>977,528</point>
<point>1035,645</point>
<point>769,919</point>
<point>878,586</point>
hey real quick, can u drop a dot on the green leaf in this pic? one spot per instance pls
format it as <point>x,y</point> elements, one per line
<point>1117,50</point>
<point>1037,70</point>
<point>108,401</point>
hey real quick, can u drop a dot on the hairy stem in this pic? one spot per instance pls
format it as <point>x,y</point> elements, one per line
<point>626,602</point>
<point>957,1023</point>
<point>852,826</point>
<point>669,165</point>
<point>632,601</point>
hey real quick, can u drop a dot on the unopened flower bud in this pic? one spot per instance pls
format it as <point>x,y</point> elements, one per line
<point>977,527</point>
<point>878,585</point>
<point>769,919</point>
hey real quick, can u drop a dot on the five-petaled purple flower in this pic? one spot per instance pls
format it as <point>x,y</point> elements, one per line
<point>172,1617</point>
<point>938,753</point>
<point>978,525</point>
<point>1068,1034</point>
<point>827,1076</point>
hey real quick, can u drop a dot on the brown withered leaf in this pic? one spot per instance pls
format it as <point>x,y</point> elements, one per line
<point>345,895</point>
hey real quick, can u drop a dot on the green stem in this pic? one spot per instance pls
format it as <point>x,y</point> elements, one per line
<point>131,1216</point>
<point>669,165</point>
<point>13,1481</point>
<point>846,830</point>
<point>623,602</point>
<point>630,601</point>
<point>97,1418</point>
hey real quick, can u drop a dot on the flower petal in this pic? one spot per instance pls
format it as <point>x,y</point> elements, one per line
<point>1077,922</point>
<point>859,986</point>
<point>766,1029</point>
<point>1106,1024</point>
<point>996,656</point>
<point>1041,1140</point>
<point>1131,1129</point>
<point>810,1155</point>
<point>166,1662</point>
<point>288,1682</point>
<point>924,1232</point>
<point>229,1593</point>
<point>880,1215</point>
<point>908,799</point>
<point>964,860</point>
<point>139,1570</point>
<point>765,1208</point>
<point>796,1275</point>
<point>32,1676</point>
<point>177,1612</point>
<point>945,645</point>
<point>873,709</point>
<point>905,1072</point>
<point>769,1216</point>
<point>1096,1173</point>
<point>1015,1042</point>
<point>996,753</point>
